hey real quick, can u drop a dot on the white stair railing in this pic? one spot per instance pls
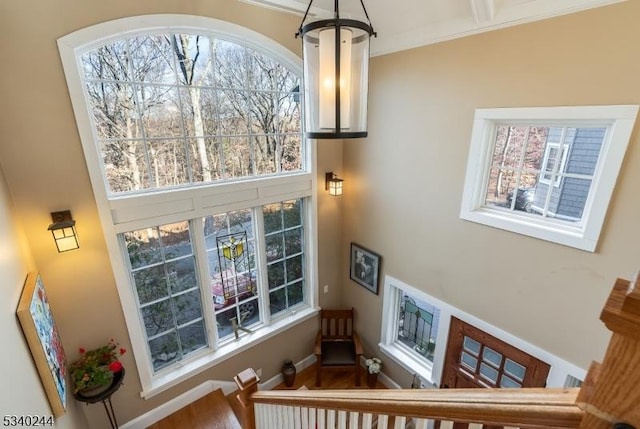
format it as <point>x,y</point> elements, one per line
<point>269,416</point>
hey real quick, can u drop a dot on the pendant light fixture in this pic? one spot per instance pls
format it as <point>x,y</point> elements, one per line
<point>335,53</point>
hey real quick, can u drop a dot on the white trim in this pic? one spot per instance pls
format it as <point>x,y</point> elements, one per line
<point>560,368</point>
<point>564,150</point>
<point>620,121</point>
<point>520,13</point>
<point>116,212</point>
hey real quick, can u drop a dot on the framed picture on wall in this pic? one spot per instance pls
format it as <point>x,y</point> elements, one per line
<point>365,267</point>
<point>43,339</point>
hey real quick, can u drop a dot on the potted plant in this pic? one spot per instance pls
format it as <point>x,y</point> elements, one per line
<point>373,365</point>
<point>93,373</point>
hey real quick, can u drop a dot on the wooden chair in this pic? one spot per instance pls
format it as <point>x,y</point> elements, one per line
<point>337,344</point>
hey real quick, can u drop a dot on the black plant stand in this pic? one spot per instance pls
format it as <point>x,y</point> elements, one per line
<point>105,397</point>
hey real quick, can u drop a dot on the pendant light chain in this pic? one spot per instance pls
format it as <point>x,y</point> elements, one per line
<point>373,33</point>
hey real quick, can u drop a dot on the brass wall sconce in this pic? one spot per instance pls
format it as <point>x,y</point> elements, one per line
<point>333,184</point>
<point>63,230</point>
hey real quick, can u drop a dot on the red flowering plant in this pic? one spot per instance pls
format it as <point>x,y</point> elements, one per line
<point>96,367</point>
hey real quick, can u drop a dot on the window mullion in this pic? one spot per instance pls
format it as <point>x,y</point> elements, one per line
<point>203,275</point>
<point>553,173</point>
<point>262,279</point>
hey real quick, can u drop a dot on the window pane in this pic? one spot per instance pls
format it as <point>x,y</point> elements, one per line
<point>239,108</point>
<point>292,213</point>
<point>150,284</point>
<point>295,293</point>
<point>283,236</point>
<point>294,268</point>
<point>158,318</point>
<point>114,110</point>
<point>193,337</point>
<point>266,149</point>
<point>277,301</point>
<point>231,257</point>
<point>168,163</point>
<point>507,382</point>
<point>469,361</point>
<point>491,356</point>
<point>552,157</point>
<point>161,115</point>
<point>418,325</point>
<point>471,345</point>
<point>276,274</point>
<point>152,59</point>
<point>585,151</point>
<point>488,373</point>
<point>126,165</point>
<point>164,350</point>
<point>164,273</point>
<point>514,369</point>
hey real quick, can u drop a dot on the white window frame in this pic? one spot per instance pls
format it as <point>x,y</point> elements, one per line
<point>584,235</point>
<point>432,373</point>
<point>545,162</point>
<point>122,213</point>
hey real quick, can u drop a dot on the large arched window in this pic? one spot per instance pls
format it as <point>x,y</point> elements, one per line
<point>191,128</point>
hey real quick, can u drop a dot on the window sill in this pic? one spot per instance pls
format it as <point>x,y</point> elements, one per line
<point>178,374</point>
<point>409,362</point>
<point>544,229</point>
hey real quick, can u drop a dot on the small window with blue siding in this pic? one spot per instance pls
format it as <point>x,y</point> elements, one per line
<point>546,172</point>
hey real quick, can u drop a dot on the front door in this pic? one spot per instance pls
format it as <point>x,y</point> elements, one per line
<point>477,359</point>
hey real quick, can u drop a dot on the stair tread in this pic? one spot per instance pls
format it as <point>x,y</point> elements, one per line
<point>212,411</point>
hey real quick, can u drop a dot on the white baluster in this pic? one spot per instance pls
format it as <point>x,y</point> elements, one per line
<point>258,410</point>
<point>288,418</point>
<point>304,418</point>
<point>421,423</point>
<point>401,422</point>
<point>342,420</point>
<point>353,420</point>
<point>475,426</point>
<point>312,419</point>
<point>331,419</point>
<point>322,419</point>
<point>383,420</point>
<point>367,418</point>
<point>446,425</point>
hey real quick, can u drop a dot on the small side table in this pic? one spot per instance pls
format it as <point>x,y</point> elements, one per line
<point>105,397</point>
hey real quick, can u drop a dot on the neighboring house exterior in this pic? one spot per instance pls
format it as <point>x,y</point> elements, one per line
<point>575,154</point>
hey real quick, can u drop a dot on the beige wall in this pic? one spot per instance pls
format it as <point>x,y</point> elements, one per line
<point>25,395</point>
<point>407,179</point>
<point>42,157</point>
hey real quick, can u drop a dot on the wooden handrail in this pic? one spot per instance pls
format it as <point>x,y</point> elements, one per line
<point>533,408</point>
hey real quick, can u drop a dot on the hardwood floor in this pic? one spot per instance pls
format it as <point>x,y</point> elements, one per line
<point>330,380</point>
<point>209,412</point>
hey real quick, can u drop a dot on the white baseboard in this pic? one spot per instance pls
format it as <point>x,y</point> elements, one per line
<point>173,405</point>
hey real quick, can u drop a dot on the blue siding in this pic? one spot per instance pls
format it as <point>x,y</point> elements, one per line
<point>569,199</point>
<point>582,159</point>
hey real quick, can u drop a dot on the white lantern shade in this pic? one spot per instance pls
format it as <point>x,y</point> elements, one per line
<point>321,74</point>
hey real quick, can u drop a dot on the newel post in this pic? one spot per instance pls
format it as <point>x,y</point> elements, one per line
<point>610,395</point>
<point>247,382</point>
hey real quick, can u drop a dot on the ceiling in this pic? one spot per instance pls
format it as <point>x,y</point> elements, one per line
<point>405,24</point>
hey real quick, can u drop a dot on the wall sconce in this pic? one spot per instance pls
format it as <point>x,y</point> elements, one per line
<point>63,230</point>
<point>333,184</point>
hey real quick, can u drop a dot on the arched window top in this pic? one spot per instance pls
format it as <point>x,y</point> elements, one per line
<point>194,102</point>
